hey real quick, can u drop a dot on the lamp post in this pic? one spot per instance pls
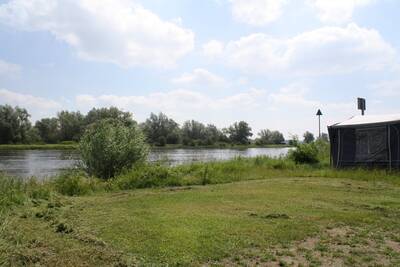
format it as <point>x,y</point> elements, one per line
<point>319,114</point>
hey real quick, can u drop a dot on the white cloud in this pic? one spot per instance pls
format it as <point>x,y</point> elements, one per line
<point>296,95</point>
<point>257,12</point>
<point>8,68</point>
<point>172,100</point>
<point>337,11</point>
<point>200,77</point>
<point>116,31</point>
<point>38,107</point>
<point>26,100</point>
<point>327,50</point>
<point>297,109</point>
<point>213,49</point>
<point>293,95</point>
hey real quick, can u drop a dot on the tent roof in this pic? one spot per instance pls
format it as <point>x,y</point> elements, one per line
<point>368,119</point>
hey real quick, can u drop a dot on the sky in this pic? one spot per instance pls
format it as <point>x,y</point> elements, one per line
<point>272,63</point>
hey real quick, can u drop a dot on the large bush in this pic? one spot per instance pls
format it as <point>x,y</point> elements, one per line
<point>305,154</point>
<point>109,146</point>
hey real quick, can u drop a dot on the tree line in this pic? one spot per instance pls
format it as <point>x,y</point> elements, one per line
<point>159,129</point>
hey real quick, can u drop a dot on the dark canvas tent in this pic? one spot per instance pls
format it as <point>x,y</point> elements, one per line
<point>366,141</point>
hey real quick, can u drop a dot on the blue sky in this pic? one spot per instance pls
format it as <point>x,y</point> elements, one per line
<point>272,63</point>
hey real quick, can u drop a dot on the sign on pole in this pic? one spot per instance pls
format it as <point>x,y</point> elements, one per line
<point>319,114</point>
<point>361,105</point>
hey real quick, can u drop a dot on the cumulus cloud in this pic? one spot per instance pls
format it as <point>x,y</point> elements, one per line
<point>116,31</point>
<point>200,77</point>
<point>293,95</point>
<point>37,106</point>
<point>8,68</point>
<point>337,11</point>
<point>213,49</point>
<point>297,107</point>
<point>327,50</point>
<point>296,95</point>
<point>257,12</point>
<point>173,100</point>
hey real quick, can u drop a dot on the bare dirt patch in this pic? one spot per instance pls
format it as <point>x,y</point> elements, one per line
<point>335,246</point>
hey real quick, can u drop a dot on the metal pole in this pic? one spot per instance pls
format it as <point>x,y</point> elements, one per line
<point>319,126</point>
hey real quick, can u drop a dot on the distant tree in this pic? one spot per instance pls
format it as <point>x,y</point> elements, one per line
<point>324,137</point>
<point>267,137</point>
<point>161,130</point>
<point>98,114</point>
<point>294,140</point>
<point>193,132</point>
<point>239,132</point>
<point>33,136</point>
<point>212,134</point>
<point>14,124</point>
<point>308,137</point>
<point>49,130</point>
<point>71,125</point>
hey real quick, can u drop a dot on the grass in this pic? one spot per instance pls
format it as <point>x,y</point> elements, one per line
<point>276,220</point>
<point>242,212</point>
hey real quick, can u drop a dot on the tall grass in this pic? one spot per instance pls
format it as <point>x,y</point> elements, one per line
<point>148,175</point>
<point>12,191</point>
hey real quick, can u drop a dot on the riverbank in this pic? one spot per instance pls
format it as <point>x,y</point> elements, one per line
<point>243,211</point>
<point>220,146</point>
<point>73,146</point>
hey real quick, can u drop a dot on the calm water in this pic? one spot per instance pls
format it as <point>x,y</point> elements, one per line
<point>46,163</point>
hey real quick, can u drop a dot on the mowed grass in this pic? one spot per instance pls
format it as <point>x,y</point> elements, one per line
<point>308,221</point>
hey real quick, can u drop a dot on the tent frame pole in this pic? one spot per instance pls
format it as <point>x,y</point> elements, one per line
<point>389,148</point>
<point>338,154</point>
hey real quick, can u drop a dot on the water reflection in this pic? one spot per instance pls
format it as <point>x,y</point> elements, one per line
<point>47,163</point>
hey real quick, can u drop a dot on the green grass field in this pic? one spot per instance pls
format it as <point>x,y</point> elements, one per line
<point>299,221</point>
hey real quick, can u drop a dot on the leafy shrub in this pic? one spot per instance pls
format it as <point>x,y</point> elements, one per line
<point>304,154</point>
<point>109,146</point>
<point>323,147</point>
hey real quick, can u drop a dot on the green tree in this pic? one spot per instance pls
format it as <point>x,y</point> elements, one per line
<point>308,137</point>
<point>161,130</point>
<point>71,125</point>
<point>14,124</point>
<point>267,137</point>
<point>109,146</point>
<point>98,114</point>
<point>33,136</point>
<point>212,134</point>
<point>49,130</point>
<point>239,132</point>
<point>324,137</point>
<point>193,132</point>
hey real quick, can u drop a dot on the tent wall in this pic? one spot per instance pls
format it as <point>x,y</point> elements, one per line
<point>367,145</point>
<point>395,145</point>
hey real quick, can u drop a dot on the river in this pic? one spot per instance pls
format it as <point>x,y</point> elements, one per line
<point>47,163</point>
